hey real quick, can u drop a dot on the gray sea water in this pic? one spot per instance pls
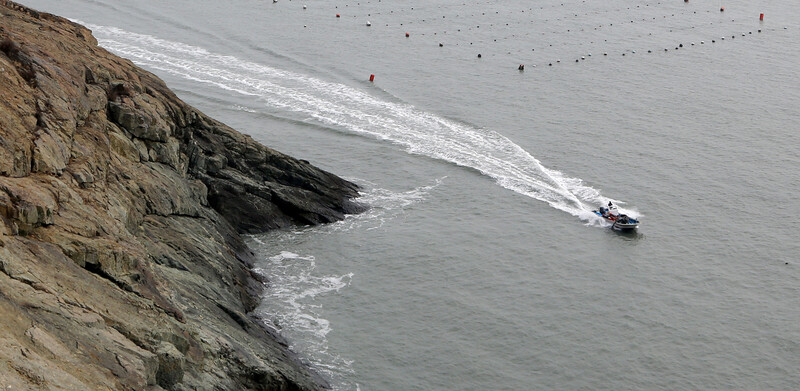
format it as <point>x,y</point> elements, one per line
<point>479,265</point>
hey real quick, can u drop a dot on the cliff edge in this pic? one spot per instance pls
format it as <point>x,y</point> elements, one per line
<point>121,264</point>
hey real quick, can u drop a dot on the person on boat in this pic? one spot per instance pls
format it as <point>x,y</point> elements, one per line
<point>612,209</point>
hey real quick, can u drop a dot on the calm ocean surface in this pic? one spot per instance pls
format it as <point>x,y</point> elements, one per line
<point>479,265</point>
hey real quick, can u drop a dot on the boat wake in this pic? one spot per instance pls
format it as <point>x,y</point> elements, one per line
<point>351,110</point>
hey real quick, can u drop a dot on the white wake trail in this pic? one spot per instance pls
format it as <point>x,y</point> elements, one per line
<point>352,110</point>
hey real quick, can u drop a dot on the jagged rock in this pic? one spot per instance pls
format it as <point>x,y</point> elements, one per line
<point>167,153</point>
<point>170,365</point>
<point>124,147</point>
<point>138,122</point>
<point>26,203</point>
<point>49,155</point>
<point>121,266</point>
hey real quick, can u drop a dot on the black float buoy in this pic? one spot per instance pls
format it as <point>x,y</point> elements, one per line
<point>479,55</point>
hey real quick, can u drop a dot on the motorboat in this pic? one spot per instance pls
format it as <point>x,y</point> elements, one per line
<point>618,221</point>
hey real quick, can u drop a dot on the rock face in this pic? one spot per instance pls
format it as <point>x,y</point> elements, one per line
<point>121,265</point>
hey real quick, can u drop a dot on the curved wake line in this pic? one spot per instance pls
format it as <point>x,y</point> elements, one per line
<point>351,110</point>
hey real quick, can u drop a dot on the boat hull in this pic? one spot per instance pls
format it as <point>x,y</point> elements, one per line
<point>625,227</point>
<point>630,225</point>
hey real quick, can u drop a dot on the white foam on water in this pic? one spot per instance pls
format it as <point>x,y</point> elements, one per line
<point>290,303</point>
<point>384,205</point>
<point>290,306</point>
<point>351,110</point>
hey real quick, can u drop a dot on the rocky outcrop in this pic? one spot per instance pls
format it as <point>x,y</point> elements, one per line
<point>121,265</point>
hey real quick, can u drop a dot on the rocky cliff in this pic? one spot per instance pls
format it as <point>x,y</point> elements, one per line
<point>121,265</point>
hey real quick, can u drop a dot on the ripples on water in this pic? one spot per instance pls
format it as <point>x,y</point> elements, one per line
<point>290,304</point>
<point>452,282</point>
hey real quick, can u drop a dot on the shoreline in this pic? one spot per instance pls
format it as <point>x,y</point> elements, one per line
<point>121,214</point>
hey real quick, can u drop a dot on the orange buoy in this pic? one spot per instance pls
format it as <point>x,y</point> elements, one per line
<point>371,77</point>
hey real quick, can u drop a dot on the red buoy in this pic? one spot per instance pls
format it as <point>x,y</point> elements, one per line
<point>371,77</point>
<point>407,33</point>
<point>761,17</point>
<point>721,9</point>
<point>338,16</point>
